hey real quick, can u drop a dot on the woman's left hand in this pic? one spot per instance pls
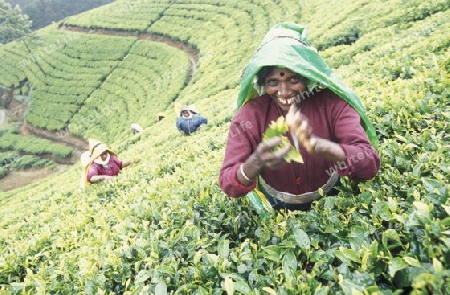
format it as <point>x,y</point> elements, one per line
<point>312,144</point>
<point>301,129</point>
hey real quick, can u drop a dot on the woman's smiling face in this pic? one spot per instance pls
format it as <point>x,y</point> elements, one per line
<point>104,155</point>
<point>285,87</point>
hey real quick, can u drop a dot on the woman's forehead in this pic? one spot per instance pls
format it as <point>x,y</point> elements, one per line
<point>281,72</point>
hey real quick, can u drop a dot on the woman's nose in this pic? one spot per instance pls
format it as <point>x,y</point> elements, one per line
<point>283,90</point>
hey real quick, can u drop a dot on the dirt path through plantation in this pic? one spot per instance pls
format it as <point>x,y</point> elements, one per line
<point>16,179</point>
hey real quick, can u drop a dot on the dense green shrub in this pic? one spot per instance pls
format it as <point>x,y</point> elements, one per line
<point>10,141</point>
<point>3,172</point>
<point>30,161</point>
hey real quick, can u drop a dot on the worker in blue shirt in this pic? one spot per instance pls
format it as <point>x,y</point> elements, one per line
<point>189,120</point>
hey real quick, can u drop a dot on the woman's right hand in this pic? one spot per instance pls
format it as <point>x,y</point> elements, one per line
<point>301,129</point>
<point>264,156</point>
<point>97,178</point>
<point>108,178</point>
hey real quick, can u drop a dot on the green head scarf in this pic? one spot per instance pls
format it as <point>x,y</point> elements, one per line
<point>286,45</point>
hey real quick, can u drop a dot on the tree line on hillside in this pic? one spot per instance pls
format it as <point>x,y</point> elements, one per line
<point>44,12</point>
<point>13,23</point>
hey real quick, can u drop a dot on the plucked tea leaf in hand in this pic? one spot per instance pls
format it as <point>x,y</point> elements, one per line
<point>279,128</point>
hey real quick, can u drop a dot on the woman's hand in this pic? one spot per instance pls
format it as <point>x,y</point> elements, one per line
<point>262,158</point>
<point>301,129</point>
<point>106,178</point>
<point>199,127</point>
<point>314,145</point>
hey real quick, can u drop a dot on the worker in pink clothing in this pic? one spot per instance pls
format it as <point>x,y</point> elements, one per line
<point>100,163</point>
<point>324,124</point>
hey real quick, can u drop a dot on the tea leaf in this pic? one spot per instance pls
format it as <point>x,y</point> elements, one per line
<point>224,248</point>
<point>279,128</point>
<point>229,286</point>
<point>412,261</point>
<point>242,287</point>
<point>289,262</point>
<point>347,255</point>
<point>302,239</point>
<point>161,289</point>
<point>446,208</point>
<point>272,252</point>
<point>395,265</point>
<point>270,290</point>
<point>437,265</point>
<point>390,239</point>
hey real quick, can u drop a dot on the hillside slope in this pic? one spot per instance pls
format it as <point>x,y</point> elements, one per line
<point>164,226</point>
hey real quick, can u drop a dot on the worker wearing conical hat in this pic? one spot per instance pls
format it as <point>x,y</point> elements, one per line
<point>136,128</point>
<point>100,163</point>
<point>190,120</point>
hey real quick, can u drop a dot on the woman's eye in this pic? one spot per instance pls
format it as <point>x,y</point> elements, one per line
<point>295,80</point>
<point>271,83</point>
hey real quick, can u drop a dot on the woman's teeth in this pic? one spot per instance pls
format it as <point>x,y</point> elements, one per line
<point>286,101</point>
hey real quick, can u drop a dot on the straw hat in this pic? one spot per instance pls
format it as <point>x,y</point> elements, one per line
<point>85,158</point>
<point>136,127</point>
<point>96,148</point>
<point>190,108</point>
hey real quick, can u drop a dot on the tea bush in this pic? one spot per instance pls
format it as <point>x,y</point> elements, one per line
<point>33,145</point>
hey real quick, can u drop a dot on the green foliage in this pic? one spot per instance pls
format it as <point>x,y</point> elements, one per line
<point>352,22</point>
<point>7,158</point>
<point>33,150</point>
<point>10,141</point>
<point>3,172</point>
<point>164,226</point>
<point>135,92</point>
<point>13,23</point>
<point>30,161</point>
<point>43,12</point>
<point>139,15</point>
<point>13,161</point>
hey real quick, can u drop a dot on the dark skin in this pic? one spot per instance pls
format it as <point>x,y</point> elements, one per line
<point>284,87</point>
<point>186,114</point>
